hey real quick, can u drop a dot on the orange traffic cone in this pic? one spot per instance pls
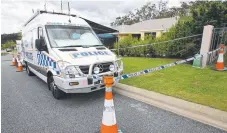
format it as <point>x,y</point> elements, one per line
<point>109,124</point>
<point>13,61</point>
<point>220,62</point>
<point>19,67</point>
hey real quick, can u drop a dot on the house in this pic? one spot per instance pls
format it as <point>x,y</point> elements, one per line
<point>154,27</point>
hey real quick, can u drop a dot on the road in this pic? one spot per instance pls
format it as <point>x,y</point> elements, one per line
<point>28,107</point>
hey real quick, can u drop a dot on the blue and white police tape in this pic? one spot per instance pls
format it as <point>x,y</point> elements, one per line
<point>126,76</point>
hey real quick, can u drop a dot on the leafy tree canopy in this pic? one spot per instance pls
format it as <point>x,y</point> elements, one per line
<point>10,37</point>
<point>151,11</point>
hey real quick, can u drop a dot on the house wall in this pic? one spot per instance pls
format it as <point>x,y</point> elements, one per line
<point>142,34</point>
<point>158,34</point>
<point>123,35</point>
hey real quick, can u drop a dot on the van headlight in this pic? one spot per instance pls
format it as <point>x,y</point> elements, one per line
<point>71,72</point>
<point>63,64</point>
<point>119,64</point>
<point>68,70</point>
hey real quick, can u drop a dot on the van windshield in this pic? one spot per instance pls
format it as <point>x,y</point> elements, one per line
<point>71,36</point>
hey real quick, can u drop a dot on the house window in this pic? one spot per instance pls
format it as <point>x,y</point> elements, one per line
<point>153,34</point>
<point>136,36</point>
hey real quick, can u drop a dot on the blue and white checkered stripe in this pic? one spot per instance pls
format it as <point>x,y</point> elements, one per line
<point>126,76</point>
<point>46,61</point>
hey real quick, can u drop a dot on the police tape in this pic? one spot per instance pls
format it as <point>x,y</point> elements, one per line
<point>126,76</point>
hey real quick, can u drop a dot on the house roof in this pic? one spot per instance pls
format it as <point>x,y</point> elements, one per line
<point>149,25</point>
<point>98,28</point>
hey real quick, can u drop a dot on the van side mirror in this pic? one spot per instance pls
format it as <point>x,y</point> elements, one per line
<point>40,44</point>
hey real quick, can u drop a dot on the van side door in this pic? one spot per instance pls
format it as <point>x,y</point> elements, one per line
<point>35,36</point>
<point>40,59</point>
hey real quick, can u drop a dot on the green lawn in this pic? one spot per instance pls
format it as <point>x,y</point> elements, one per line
<point>204,86</point>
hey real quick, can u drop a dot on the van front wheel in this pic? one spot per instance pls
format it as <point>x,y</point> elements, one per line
<point>57,93</point>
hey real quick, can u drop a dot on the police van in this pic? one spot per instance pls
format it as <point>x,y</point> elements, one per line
<point>64,51</point>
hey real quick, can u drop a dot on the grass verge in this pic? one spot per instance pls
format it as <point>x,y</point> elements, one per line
<point>203,86</point>
<point>4,53</point>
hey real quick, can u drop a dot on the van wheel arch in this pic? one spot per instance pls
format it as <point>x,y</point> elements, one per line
<point>49,74</point>
<point>29,72</point>
<point>57,93</point>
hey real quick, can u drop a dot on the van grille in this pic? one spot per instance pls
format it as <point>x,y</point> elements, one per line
<point>105,66</point>
<point>85,69</point>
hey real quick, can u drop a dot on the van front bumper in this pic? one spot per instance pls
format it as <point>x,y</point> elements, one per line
<point>83,84</point>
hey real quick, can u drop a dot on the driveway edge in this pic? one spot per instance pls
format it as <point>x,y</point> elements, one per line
<point>201,113</point>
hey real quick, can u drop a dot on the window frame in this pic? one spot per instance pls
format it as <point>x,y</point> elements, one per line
<point>38,30</point>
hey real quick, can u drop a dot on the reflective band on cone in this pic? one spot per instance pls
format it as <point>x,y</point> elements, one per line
<point>220,62</point>
<point>109,123</point>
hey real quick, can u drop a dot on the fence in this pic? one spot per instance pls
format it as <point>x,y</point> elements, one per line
<point>179,47</point>
<point>219,36</point>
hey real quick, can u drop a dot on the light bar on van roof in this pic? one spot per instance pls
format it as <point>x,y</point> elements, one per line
<point>60,23</point>
<point>40,12</point>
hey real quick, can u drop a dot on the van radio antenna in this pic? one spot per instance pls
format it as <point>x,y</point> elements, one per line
<point>69,13</point>
<point>61,6</point>
<point>45,8</point>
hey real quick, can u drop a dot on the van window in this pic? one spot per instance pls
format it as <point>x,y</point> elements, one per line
<point>40,32</point>
<point>71,36</point>
<point>27,40</point>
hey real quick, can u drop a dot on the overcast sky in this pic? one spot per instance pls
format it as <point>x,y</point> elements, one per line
<point>14,13</point>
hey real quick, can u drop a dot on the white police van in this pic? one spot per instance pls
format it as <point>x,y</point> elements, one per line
<point>65,52</point>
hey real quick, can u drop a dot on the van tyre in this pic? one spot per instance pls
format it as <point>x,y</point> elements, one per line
<point>29,72</point>
<point>57,93</point>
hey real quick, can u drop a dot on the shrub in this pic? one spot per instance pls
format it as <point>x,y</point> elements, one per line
<point>163,46</point>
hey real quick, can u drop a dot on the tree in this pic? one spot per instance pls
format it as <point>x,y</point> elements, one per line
<point>9,44</point>
<point>208,12</point>
<point>151,11</point>
<point>8,37</point>
<point>19,35</point>
<point>3,47</point>
<point>146,12</point>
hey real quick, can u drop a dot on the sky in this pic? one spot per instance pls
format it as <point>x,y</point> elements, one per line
<point>14,13</point>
